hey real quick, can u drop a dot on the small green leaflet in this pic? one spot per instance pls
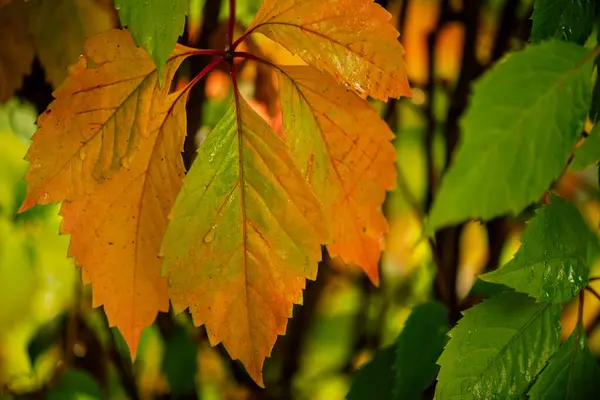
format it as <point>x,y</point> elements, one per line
<point>571,374</point>
<point>589,152</point>
<point>554,260</point>
<point>375,380</point>
<point>154,24</point>
<point>498,348</point>
<point>570,20</point>
<point>417,349</point>
<point>525,116</point>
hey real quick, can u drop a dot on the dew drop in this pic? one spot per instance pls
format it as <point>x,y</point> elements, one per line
<point>210,235</point>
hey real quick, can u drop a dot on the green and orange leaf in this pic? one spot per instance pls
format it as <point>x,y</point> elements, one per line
<point>351,39</point>
<point>344,150</point>
<point>244,236</point>
<point>109,147</point>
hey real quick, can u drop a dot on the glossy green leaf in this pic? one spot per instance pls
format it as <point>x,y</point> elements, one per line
<point>525,116</point>
<point>498,348</point>
<point>589,152</point>
<point>571,20</point>
<point>154,24</point>
<point>418,347</point>
<point>375,379</point>
<point>571,374</point>
<point>554,261</point>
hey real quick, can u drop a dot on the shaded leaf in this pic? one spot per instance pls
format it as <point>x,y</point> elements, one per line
<point>245,234</point>
<point>571,20</point>
<point>351,39</point>
<point>154,24</point>
<point>571,374</point>
<point>498,348</point>
<point>109,147</point>
<point>589,152</point>
<point>59,29</point>
<point>375,379</point>
<point>554,261</point>
<point>344,150</point>
<point>525,116</point>
<point>418,347</point>
<point>75,384</point>
<point>16,48</point>
<point>180,363</point>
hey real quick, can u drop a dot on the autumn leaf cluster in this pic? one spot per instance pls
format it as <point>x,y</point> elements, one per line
<point>234,238</point>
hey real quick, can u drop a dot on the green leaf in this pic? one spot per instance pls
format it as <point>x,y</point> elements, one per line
<point>75,385</point>
<point>180,362</point>
<point>525,116</point>
<point>554,261</point>
<point>570,20</point>
<point>498,348</point>
<point>589,152</point>
<point>417,349</point>
<point>375,380</point>
<point>154,24</point>
<point>571,374</point>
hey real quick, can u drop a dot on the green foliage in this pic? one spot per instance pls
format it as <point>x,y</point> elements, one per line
<point>75,384</point>
<point>418,348</point>
<point>553,263</point>
<point>571,374</point>
<point>154,24</point>
<point>525,115</point>
<point>589,152</point>
<point>180,363</point>
<point>570,20</point>
<point>498,348</point>
<point>375,380</point>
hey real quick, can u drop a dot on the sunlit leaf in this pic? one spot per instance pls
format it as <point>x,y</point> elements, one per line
<point>554,261</point>
<point>154,24</point>
<point>344,150</point>
<point>244,235</point>
<point>525,116</point>
<point>498,348</point>
<point>351,39</point>
<point>109,147</point>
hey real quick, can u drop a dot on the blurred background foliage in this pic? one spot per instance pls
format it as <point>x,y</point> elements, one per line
<point>54,344</point>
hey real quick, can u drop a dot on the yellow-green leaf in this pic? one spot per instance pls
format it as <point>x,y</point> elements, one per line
<point>245,233</point>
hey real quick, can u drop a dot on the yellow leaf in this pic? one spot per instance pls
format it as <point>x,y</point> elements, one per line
<point>345,151</point>
<point>108,113</point>
<point>16,48</point>
<point>351,39</point>
<point>59,29</point>
<point>245,233</point>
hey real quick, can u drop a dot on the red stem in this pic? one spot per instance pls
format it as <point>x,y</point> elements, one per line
<point>250,56</point>
<point>203,73</point>
<point>231,22</point>
<point>211,52</point>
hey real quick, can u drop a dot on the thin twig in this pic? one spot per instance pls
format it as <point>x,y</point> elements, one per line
<point>593,291</point>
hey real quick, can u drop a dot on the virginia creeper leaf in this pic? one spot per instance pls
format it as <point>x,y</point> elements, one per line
<point>571,374</point>
<point>498,348</point>
<point>554,261</point>
<point>589,152</point>
<point>375,379</point>
<point>344,150</point>
<point>571,20</point>
<point>417,349</point>
<point>154,24</point>
<point>525,116</point>
<point>60,28</point>
<point>245,234</point>
<point>351,39</point>
<point>109,147</point>
<point>16,48</point>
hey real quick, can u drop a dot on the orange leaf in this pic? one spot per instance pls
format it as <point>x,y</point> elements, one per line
<point>109,146</point>
<point>345,151</point>
<point>351,39</point>
<point>245,234</point>
<point>16,48</point>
